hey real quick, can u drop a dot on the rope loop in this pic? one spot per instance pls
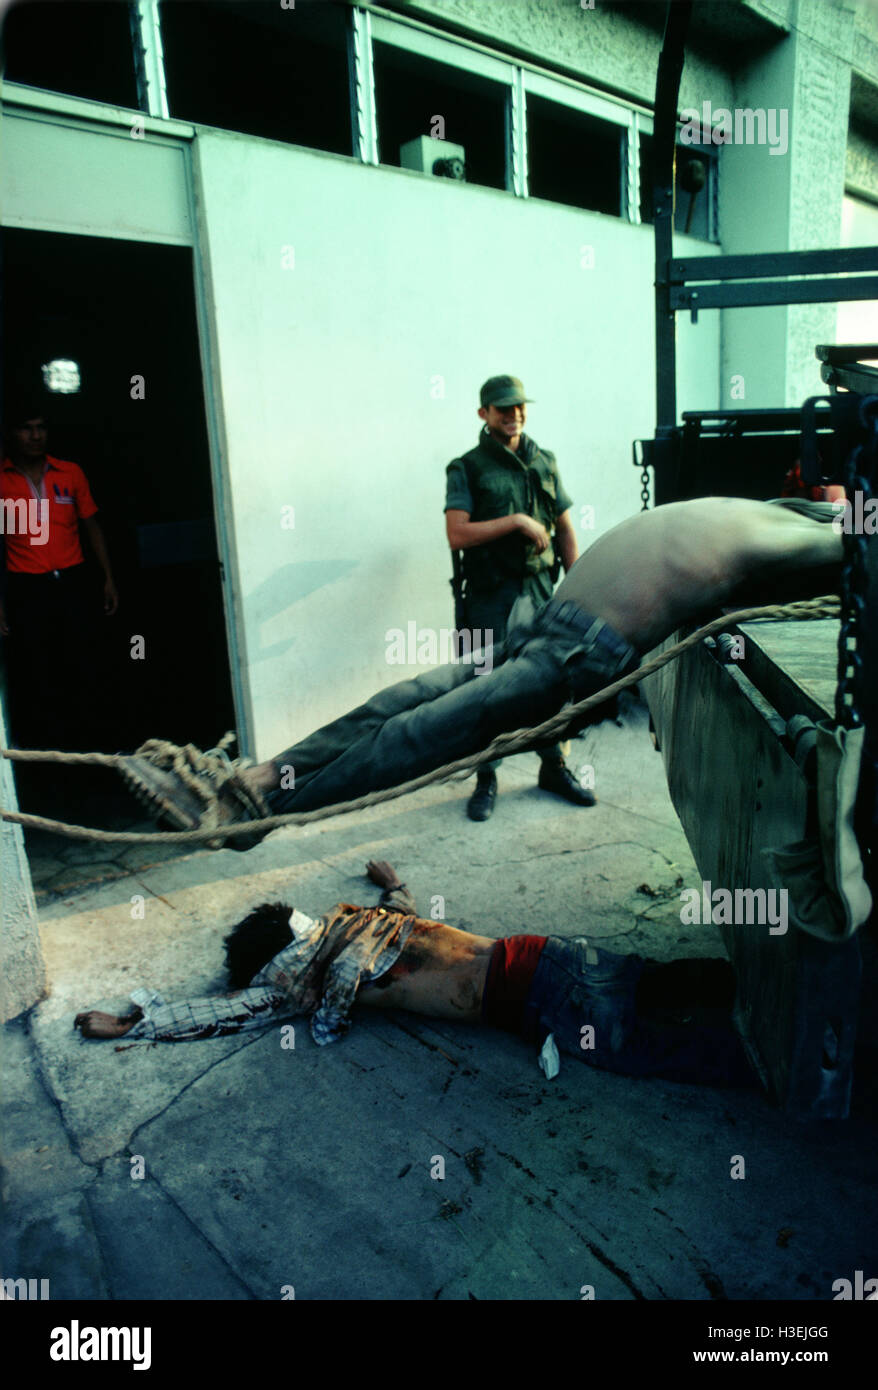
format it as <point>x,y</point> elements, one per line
<point>222,771</point>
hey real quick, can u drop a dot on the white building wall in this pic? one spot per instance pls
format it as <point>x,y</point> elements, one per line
<point>790,201</point>
<point>350,379</point>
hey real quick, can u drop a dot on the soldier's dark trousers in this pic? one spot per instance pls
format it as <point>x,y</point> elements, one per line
<point>497,614</point>
<point>561,656</point>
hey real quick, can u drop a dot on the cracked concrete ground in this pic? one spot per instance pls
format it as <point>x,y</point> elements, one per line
<point>60,867</point>
<point>266,1169</point>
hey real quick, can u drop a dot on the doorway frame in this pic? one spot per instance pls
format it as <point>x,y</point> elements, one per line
<point>95,118</point>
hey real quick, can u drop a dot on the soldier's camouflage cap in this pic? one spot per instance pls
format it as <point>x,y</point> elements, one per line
<point>503,390</point>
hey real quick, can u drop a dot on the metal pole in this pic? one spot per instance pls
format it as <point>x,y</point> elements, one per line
<point>667,90</point>
<point>362,85</point>
<point>149,58</point>
<point>516,135</point>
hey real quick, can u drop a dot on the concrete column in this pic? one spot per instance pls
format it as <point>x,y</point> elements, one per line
<point>787,202</point>
<point>22,971</point>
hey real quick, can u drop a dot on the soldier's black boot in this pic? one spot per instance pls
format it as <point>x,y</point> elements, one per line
<point>481,803</point>
<point>555,777</point>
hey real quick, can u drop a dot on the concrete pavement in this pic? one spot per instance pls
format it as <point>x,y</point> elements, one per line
<point>270,1169</point>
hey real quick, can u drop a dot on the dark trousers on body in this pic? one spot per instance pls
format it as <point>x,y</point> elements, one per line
<point>560,657</point>
<point>647,1018</point>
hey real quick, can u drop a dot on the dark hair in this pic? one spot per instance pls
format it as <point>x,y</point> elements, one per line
<point>252,943</point>
<point>19,408</point>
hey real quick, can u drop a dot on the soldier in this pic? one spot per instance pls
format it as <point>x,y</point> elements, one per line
<point>507,510</point>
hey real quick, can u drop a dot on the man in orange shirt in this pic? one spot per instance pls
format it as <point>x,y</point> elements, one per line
<point>47,610</point>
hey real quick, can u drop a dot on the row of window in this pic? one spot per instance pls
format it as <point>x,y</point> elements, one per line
<point>265,69</point>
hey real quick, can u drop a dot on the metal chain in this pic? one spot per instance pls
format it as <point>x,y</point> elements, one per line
<point>641,444</point>
<point>859,472</point>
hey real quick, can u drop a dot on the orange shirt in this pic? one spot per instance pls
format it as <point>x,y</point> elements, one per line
<point>41,524</point>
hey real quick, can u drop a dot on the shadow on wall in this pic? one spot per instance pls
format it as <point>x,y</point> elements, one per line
<point>286,586</point>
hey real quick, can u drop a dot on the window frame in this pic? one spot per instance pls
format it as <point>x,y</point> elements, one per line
<point>588,104</point>
<point>366,24</point>
<point>643,125</point>
<point>520,79</point>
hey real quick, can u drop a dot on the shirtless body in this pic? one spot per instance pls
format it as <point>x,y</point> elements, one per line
<point>662,568</point>
<point>631,589</point>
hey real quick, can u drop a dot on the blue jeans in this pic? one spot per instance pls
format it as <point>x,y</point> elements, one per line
<point>577,986</point>
<point>562,655</point>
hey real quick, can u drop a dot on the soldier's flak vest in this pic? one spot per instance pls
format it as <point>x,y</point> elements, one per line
<point>502,483</point>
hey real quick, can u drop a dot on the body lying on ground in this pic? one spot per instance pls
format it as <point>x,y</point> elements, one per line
<point>631,589</point>
<point>621,1013</point>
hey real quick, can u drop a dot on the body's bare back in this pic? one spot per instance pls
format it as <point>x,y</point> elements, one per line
<point>441,972</point>
<point>664,567</point>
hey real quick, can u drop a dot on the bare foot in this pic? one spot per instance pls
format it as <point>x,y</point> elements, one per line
<point>261,778</point>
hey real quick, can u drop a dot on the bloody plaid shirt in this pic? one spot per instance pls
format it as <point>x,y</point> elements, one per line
<point>319,974</point>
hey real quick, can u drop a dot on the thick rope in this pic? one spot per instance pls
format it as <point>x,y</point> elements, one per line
<point>502,747</point>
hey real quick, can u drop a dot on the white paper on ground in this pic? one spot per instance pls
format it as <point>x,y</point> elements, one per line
<point>550,1062</point>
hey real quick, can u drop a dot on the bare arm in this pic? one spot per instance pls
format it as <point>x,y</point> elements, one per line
<point>463,533</point>
<point>396,897</point>
<point>99,546</point>
<point>213,1016</point>
<point>4,626</point>
<point>565,538</point>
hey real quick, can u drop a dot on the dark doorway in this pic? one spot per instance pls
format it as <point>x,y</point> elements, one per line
<point>123,311</point>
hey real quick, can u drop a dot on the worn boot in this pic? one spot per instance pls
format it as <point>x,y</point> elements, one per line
<point>481,803</point>
<point>555,777</point>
